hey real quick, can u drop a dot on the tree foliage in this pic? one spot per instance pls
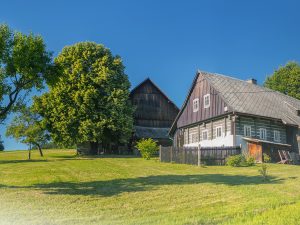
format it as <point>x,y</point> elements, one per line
<point>28,128</point>
<point>24,63</point>
<point>89,102</point>
<point>286,80</point>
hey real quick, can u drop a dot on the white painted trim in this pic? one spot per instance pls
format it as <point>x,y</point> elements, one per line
<point>218,127</point>
<point>204,131</point>
<point>204,102</point>
<point>245,133</point>
<point>278,132</point>
<point>261,132</point>
<point>196,109</point>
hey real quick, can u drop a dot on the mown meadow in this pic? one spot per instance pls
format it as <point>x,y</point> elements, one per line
<point>62,188</point>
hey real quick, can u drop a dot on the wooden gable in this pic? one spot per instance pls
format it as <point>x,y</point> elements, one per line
<point>153,107</point>
<point>200,88</point>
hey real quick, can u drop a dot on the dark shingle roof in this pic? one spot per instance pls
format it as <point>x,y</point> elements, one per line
<point>244,97</point>
<point>253,99</point>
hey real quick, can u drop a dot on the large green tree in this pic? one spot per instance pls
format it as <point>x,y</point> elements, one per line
<point>28,128</point>
<point>90,100</point>
<point>24,63</point>
<point>286,79</point>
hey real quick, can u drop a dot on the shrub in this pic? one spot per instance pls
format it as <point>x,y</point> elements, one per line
<point>266,158</point>
<point>250,161</point>
<point>240,160</point>
<point>147,147</point>
<point>263,171</point>
<point>235,160</point>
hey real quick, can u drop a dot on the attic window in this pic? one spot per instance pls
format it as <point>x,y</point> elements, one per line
<point>196,105</point>
<point>206,101</point>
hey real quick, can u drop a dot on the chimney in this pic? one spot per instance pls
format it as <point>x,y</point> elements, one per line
<point>252,81</point>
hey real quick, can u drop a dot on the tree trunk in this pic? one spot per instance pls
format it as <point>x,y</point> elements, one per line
<point>29,154</point>
<point>40,150</point>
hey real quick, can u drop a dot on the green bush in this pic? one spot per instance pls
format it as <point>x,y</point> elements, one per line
<point>240,160</point>
<point>263,171</point>
<point>235,160</point>
<point>250,161</point>
<point>147,147</point>
<point>267,158</point>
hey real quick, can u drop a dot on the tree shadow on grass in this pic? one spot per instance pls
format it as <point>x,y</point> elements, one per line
<point>118,186</point>
<point>22,161</point>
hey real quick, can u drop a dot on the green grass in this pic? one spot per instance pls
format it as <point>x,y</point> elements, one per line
<point>65,189</point>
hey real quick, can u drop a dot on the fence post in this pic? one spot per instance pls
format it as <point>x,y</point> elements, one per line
<point>171,153</point>
<point>160,153</point>
<point>199,155</point>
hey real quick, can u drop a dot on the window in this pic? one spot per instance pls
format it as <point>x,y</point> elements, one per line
<point>276,135</point>
<point>219,132</point>
<point>263,133</point>
<point>206,101</point>
<point>195,104</point>
<point>247,131</point>
<point>193,138</point>
<point>204,135</point>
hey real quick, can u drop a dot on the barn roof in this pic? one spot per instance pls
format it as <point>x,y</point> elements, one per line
<point>152,83</point>
<point>243,97</point>
<point>151,132</point>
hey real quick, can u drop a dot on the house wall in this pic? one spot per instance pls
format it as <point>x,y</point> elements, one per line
<point>257,123</point>
<point>153,109</point>
<point>193,136</point>
<point>217,105</point>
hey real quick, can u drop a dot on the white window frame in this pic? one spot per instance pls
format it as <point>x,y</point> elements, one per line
<point>206,105</point>
<point>245,131</point>
<point>221,134</point>
<point>204,131</point>
<point>276,137</point>
<point>263,133</point>
<point>196,103</point>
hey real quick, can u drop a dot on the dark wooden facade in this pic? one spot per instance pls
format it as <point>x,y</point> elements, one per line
<point>154,111</point>
<point>217,105</point>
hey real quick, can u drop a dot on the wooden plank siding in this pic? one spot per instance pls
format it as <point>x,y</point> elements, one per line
<point>217,105</point>
<point>257,123</point>
<point>193,134</point>
<point>153,108</point>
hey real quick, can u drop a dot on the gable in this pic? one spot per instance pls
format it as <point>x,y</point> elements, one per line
<point>153,107</point>
<point>200,88</point>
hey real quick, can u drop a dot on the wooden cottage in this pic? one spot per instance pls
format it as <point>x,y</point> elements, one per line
<point>224,111</point>
<point>154,113</point>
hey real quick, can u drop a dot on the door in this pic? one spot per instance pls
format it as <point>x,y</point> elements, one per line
<point>255,150</point>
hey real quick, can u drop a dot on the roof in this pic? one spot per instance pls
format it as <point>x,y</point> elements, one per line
<point>264,141</point>
<point>243,97</point>
<point>150,81</point>
<point>151,132</point>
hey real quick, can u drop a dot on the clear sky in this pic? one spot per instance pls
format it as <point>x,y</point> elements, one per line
<point>169,40</point>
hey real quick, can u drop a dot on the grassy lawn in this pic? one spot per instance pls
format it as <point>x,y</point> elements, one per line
<point>65,189</point>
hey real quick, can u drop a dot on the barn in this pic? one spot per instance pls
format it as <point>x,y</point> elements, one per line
<point>154,113</point>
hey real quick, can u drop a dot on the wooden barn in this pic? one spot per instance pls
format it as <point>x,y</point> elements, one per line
<point>154,113</point>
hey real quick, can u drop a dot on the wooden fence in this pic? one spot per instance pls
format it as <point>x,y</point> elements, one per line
<point>197,155</point>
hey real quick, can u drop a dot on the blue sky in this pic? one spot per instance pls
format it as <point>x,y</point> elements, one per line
<point>169,40</point>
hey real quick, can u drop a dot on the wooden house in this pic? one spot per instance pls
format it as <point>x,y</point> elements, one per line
<point>154,113</point>
<point>224,111</point>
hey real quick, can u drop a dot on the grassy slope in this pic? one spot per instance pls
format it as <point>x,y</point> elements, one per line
<point>63,189</point>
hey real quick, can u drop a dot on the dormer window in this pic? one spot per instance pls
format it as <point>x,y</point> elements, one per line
<point>206,100</point>
<point>196,105</point>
